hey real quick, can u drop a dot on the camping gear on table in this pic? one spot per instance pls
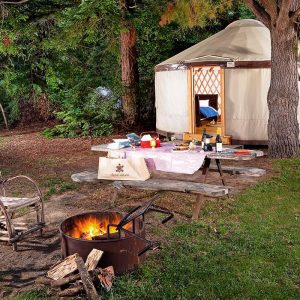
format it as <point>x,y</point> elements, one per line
<point>119,144</point>
<point>147,137</point>
<point>134,139</point>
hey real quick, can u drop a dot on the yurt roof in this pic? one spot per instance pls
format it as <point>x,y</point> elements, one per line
<point>242,40</point>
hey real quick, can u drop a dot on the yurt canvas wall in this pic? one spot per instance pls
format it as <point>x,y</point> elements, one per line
<point>172,101</point>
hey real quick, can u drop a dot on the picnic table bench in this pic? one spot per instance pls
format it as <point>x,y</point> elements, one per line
<point>159,185</point>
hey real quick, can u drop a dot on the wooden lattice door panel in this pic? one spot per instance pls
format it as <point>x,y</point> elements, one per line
<point>208,81</point>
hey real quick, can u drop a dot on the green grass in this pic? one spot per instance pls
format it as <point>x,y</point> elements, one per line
<point>33,295</point>
<point>56,185</point>
<point>246,248</point>
<point>249,250</point>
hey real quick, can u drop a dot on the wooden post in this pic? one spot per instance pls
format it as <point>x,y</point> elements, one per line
<point>191,100</point>
<point>222,96</point>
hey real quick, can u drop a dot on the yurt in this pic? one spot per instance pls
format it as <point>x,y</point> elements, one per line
<point>221,82</point>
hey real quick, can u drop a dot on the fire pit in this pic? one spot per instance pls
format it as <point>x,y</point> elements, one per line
<point>121,237</point>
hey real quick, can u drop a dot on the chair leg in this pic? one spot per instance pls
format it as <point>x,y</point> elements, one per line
<point>39,216</point>
<point>15,246</point>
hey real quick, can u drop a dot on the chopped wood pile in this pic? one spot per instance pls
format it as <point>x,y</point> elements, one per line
<point>72,277</point>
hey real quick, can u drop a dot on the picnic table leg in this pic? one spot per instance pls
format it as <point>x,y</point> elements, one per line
<point>218,163</point>
<point>200,198</point>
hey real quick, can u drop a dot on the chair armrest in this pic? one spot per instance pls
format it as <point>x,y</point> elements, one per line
<point>3,182</point>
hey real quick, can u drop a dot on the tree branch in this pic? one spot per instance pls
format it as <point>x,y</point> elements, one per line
<point>284,10</point>
<point>271,8</point>
<point>295,15</point>
<point>12,2</point>
<point>259,12</point>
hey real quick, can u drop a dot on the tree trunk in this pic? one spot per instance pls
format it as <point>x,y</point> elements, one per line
<point>130,78</point>
<point>283,96</point>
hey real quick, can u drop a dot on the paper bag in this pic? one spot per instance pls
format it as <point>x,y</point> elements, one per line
<point>133,168</point>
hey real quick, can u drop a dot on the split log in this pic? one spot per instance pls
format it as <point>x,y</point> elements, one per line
<point>86,280</point>
<point>43,280</point>
<point>66,280</point>
<point>64,268</point>
<point>71,291</point>
<point>72,278</point>
<point>106,277</point>
<point>93,259</point>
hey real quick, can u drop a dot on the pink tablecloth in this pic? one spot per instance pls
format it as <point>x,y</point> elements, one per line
<point>164,159</point>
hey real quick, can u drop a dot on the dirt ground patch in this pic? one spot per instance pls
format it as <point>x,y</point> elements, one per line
<point>51,162</point>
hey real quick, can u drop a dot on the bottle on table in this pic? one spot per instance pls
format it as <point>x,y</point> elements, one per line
<point>203,138</point>
<point>219,144</point>
<point>153,143</point>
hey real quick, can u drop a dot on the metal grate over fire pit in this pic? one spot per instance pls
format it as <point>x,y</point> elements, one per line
<point>121,237</point>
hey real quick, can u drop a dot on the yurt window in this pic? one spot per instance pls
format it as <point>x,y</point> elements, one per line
<point>208,98</point>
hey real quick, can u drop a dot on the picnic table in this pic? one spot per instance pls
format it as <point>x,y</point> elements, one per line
<point>165,160</point>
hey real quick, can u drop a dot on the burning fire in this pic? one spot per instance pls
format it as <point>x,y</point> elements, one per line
<point>91,227</point>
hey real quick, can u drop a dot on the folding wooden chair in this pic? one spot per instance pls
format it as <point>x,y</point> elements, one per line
<point>11,230</point>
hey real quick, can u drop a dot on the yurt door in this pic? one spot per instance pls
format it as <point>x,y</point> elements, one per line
<point>208,99</point>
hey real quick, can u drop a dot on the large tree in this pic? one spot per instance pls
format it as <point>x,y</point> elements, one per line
<point>130,78</point>
<point>283,97</point>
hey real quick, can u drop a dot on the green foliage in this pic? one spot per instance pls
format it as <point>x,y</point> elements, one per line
<point>54,54</point>
<point>190,13</point>
<point>94,118</point>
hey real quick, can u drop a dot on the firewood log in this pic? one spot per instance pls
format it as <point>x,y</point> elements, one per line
<point>71,278</point>
<point>66,280</point>
<point>93,259</point>
<point>43,280</point>
<point>106,277</point>
<point>71,291</point>
<point>88,285</point>
<point>64,268</point>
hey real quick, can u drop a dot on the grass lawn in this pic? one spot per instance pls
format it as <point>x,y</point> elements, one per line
<point>246,248</point>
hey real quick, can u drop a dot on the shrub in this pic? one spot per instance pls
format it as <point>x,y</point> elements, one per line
<point>95,116</point>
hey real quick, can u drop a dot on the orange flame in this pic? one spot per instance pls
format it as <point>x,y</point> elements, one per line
<point>88,227</point>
